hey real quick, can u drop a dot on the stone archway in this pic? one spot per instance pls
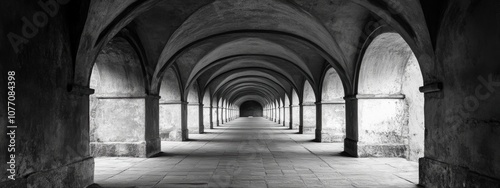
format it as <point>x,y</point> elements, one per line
<point>251,108</point>
<point>390,106</point>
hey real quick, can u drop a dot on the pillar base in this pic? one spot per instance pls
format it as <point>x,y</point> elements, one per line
<point>185,134</point>
<point>358,149</point>
<point>439,174</point>
<point>318,136</point>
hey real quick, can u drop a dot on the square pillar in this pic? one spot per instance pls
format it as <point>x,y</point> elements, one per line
<point>221,115</point>
<point>217,111</point>
<point>278,114</point>
<point>290,118</point>
<point>184,121</point>
<point>319,121</point>
<point>207,117</point>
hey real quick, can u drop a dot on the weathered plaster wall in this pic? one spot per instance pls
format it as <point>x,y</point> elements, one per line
<point>52,140</point>
<point>412,80</point>
<point>333,108</point>
<point>193,118</point>
<point>388,90</point>
<point>214,116</point>
<point>206,110</point>
<point>206,118</point>
<point>295,111</point>
<point>118,111</point>
<point>170,122</point>
<point>287,117</point>
<point>117,71</point>
<point>309,109</point>
<point>333,118</point>
<point>462,122</point>
<point>118,127</point>
<point>170,107</point>
<point>382,125</point>
<point>309,115</point>
<point>193,110</point>
<point>383,65</point>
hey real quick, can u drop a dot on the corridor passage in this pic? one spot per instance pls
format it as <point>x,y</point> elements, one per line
<point>254,152</point>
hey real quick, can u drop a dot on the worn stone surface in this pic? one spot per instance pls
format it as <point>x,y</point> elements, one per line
<point>254,152</point>
<point>52,133</point>
<point>193,118</point>
<point>309,116</point>
<point>333,123</point>
<point>119,120</point>
<point>170,122</point>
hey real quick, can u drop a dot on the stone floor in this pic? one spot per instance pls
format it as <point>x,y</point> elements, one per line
<point>254,152</point>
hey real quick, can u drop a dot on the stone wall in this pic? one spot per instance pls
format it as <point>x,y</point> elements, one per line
<point>52,137</point>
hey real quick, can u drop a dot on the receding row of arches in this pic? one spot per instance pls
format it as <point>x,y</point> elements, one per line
<point>388,109</point>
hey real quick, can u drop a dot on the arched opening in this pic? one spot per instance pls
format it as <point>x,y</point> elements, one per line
<point>118,107</point>
<point>251,108</point>
<point>193,115</point>
<point>207,119</point>
<point>170,107</point>
<point>333,108</point>
<point>309,110</point>
<point>286,111</point>
<point>390,106</point>
<point>295,111</point>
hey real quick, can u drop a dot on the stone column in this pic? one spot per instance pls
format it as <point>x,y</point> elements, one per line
<point>152,137</point>
<point>319,121</point>
<point>290,111</point>
<point>222,115</point>
<point>217,112</point>
<point>211,118</point>
<point>184,121</point>
<point>278,114</point>
<point>301,119</point>
<point>369,133</point>
<point>226,113</point>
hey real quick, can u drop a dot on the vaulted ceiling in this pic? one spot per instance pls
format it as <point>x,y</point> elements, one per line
<point>240,50</point>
